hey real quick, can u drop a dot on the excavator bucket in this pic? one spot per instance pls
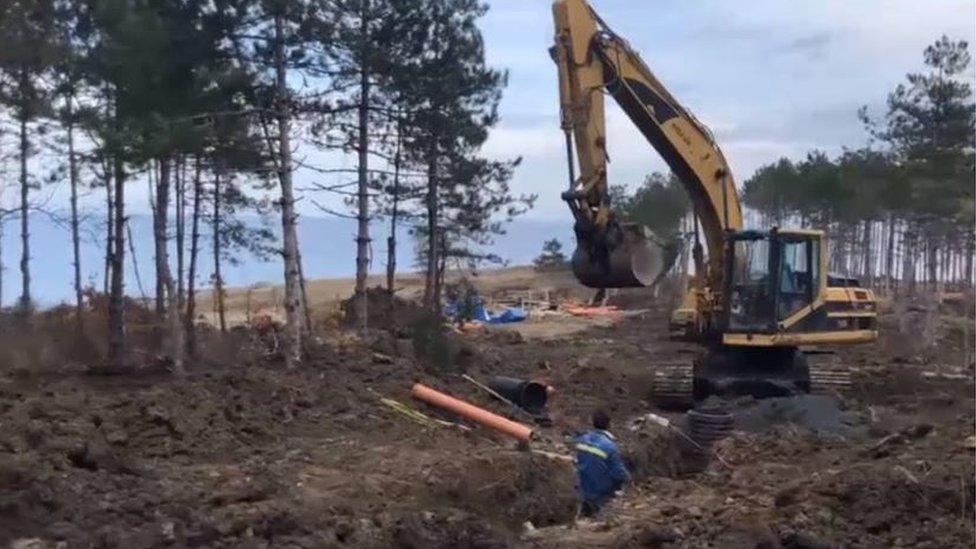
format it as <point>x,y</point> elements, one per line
<point>637,259</point>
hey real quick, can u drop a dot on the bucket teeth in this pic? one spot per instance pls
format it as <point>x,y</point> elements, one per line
<point>673,385</point>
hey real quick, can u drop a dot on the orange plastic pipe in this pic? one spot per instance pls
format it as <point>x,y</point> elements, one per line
<point>469,411</point>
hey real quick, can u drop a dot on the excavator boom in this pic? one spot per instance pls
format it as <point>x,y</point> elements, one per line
<point>593,60</point>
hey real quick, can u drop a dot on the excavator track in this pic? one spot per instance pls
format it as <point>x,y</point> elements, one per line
<point>673,385</point>
<point>827,374</point>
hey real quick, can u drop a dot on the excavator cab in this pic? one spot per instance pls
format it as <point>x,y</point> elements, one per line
<point>772,276</point>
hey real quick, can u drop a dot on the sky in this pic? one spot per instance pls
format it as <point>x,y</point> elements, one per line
<point>770,78</point>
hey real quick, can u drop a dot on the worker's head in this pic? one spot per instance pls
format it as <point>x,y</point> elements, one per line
<point>600,419</point>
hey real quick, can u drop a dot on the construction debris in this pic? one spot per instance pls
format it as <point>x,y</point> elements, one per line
<point>469,411</point>
<point>418,416</point>
<point>529,395</point>
<point>495,394</point>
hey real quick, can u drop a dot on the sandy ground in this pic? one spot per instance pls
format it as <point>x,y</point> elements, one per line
<point>243,453</point>
<point>326,294</point>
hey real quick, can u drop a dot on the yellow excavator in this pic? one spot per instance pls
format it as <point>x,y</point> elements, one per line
<point>759,301</point>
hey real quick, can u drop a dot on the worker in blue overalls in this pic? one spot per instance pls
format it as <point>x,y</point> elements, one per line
<point>600,470</point>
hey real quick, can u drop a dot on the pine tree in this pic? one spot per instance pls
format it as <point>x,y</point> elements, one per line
<point>552,256</point>
<point>449,97</point>
<point>930,128</point>
<point>28,33</point>
<point>362,49</point>
<point>660,203</point>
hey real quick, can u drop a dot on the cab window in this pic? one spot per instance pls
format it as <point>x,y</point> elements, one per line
<point>751,298</point>
<point>795,277</point>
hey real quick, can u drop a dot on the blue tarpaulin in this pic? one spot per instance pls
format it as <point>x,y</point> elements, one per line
<point>510,314</point>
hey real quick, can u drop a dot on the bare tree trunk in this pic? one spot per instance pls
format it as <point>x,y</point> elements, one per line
<point>933,262</point>
<point>362,236</point>
<point>430,281</point>
<point>25,302</point>
<point>218,277</point>
<point>2,222</point>
<point>391,241</point>
<point>921,244</point>
<point>956,273</point>
<point>306,311</point>
<point>868,259</point>
<point>159,238</point>
<point>289,219</point>
<point>191,281</point>
<point>890,254</point>
<point>441,268</point>
<point>970,252</point>
<point>135,263</point>
<point>944,263</point>
<point>157,201</point>
<point>180,203</point>
<point>909,250</point>
<point>116,304</point>
<point>75,233</point>
<point>162,267</point>
<point>109,228</point>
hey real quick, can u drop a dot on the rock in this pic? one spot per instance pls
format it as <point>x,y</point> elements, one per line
<point>168,529</point>
<point>29,543</point>
<point>654,537</point>
<point>513,337</point>
<point>380,358</point>
<point>799,540</point>
<point>969,443</point>
<point>64,531</point>
<point>670,511</point>
<point>787,496</point>
<point>95,456</point>
<point>918,431</point>
<point>117,437</point>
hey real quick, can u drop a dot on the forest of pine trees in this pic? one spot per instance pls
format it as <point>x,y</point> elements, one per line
<point>206,102</point>
<point>899,212</point>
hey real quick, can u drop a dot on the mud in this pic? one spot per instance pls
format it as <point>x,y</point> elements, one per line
<point>816,413</point>
<point>247,454</point>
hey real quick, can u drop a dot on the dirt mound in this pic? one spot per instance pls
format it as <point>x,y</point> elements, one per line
<point>510,488</point>
<point>382,313</point>
<point>652,452</point>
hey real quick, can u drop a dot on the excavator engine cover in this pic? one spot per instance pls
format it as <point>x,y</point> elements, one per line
<point>628,256</point>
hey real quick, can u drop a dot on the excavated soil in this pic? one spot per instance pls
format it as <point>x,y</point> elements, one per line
<point>247,454</point>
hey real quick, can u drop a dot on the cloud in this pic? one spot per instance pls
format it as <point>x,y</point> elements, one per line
<point>810,46</point>
<point>536,141</point>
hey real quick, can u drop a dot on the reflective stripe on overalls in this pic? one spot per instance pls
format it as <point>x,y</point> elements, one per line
<point>592,450</point>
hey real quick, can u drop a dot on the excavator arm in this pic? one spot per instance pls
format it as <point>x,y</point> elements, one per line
<point>593,60</point>
<point>760,295</point>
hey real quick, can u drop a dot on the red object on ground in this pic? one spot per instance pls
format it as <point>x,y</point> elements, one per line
<point>609,310</point>
<point>472,412</point>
